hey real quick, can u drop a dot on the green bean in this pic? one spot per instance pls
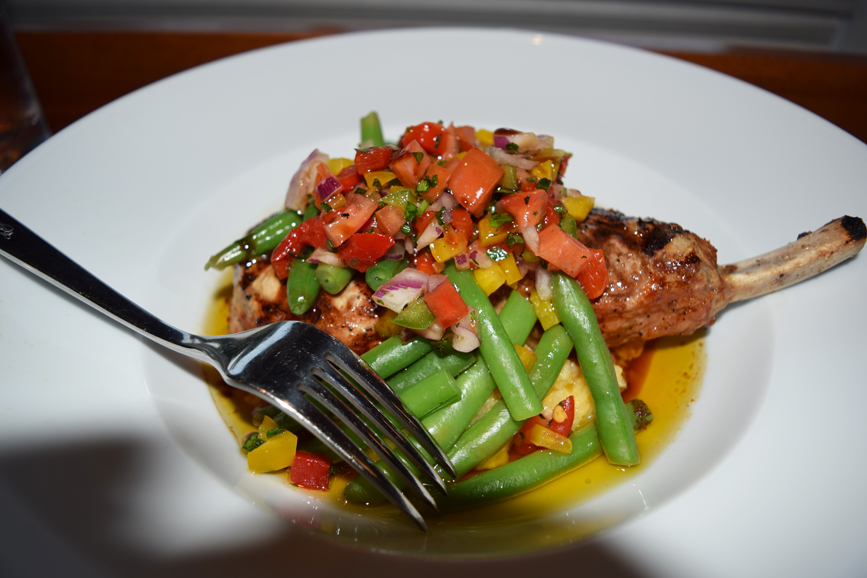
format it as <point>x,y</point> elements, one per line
<point>333,279</point>
<point>302,288</point>
<point>576,313</point>
<point>383,271</point>
<point>371,130</point>
<point>262,239</point>
<point>496,348</point>
<point>392,355</point>
<point>496,427</point>
<point>534,470</point>
<point>431,393</point>
<point>446,424</point>
<point>453,364</point>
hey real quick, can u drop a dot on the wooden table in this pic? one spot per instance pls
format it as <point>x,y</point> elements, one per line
<point>76,72</point>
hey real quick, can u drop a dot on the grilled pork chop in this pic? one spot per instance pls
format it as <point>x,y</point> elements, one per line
<point>663,280</point>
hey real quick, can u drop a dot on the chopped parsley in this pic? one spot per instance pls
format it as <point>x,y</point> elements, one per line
<point>497,253</point>
<point>512,147</point>
<point>499,219</point>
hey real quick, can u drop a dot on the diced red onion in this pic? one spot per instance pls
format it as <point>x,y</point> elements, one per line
<point>434,281</point>
<point>395,253</point>
<point>462,262</point>
<point>401,289</point>
<point>303,181</point>
<point>431,233</point>
<point>328,186</point>
<point>526,141</point>
<point>572,193</point>
<point>477,255</point>
<point>434,331</point>
<point>447,217</point>
<point>465,338</point>
<point>409,246</point>
<point>325,256</point>
<point>504,158</point>
<point>531,238</point>
<point>446,200</point>
<point>543,283</point>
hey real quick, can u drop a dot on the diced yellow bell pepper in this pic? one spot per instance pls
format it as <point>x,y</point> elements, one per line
<point>545,170</point>
<point>489,279</point>
<point>510,269</point>
<point>489,235</point>
<point>485,137</point>
<point>527,357</point>
<point>267,425</point>
<point>337,165</point>
<point>442,250</point>
<point>384,177</point>
<point>336,201</point>
<point>276,453</point>
<point>545,438</point>
<point>578,207</point>
<point>544,311</point>
<point>501,458</point>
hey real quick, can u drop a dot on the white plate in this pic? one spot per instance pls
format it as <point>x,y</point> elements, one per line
<point>766,477</point>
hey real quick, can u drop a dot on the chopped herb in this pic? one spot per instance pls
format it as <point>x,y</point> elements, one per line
<point>532,180</point>
<point>423,185</point>
<point>326,208</point>
<point>440,214</point>
<point>329,244</point>
<point>253,442</point>
<point>512,147</point>
<point>433,181</point>
<point>410,212</point>
<point>419,157</point>
<point>560,209</point>
<point>513,239</point>
<point>497,253</point>
<point>544,183</point>
<point>360,191</point>
<point>277,430</point>
<point>437,140</point>
<point>527,200</point>
<point>406,229</point>
<point>499,219</point>
<point>377,184</point>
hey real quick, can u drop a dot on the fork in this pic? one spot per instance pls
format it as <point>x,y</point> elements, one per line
<point>293,365</point>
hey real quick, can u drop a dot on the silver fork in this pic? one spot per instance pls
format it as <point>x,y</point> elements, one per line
<point>288,364</point>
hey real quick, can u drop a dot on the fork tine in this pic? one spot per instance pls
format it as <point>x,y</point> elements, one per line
<point>320,425</point>
<point>364,431</point>
<point>339,381</point>
<point>346,360</point>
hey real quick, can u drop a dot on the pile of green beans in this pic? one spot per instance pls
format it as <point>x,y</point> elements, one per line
<point>612,420</point>
<point>496,349</point>
<point>261,240</point>
<point>536,469</point>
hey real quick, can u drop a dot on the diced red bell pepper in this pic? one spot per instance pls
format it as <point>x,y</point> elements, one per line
<point>527,209</point>
<point>425,263</point>
<point>593,278</point>
<point>439,174</point>
<point>311,471</point>
<point>373,159</point>
<point>310,233</point>
<point>564,428</point>
<point>427,134</point>
<point>446,304</point>
<point>423,220</point>
<point>349,178</point>
<point>389,220</point>
<point>362,250</point>
<point>342,223</point>
<point>473,180</point>
<point>562,250</point>
<point>463,223</point>
<point>519,445</point>
<point>406,164</point>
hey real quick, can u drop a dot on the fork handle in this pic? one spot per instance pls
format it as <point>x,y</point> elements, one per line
<point>26,248</point>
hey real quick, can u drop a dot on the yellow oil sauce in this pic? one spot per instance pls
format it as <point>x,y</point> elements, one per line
<point>667,377</point>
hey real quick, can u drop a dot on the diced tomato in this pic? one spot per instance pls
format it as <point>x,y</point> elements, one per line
<point>310,471</point>
<point>343,222</point>
<point>463,223</point>
<point>425,263</point>
<point>439,174</point>
<point>310,233</point>
<point>362,250</point>
<point>524,181</point>
<point>564,428</point>
<point>423,220</point>
<point>406,165</point>
<point>349,178</point>
<point>466,137</point>
<point>448,145</point>
<point>527,209</point>
<point>562,250</point>
<point>389,219</point>
<point>593,278</point>
<point>446,304</point>
<point>551,216</point>
<point>427,134</point>
<point>473,180</point>
<point>373,159</point>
